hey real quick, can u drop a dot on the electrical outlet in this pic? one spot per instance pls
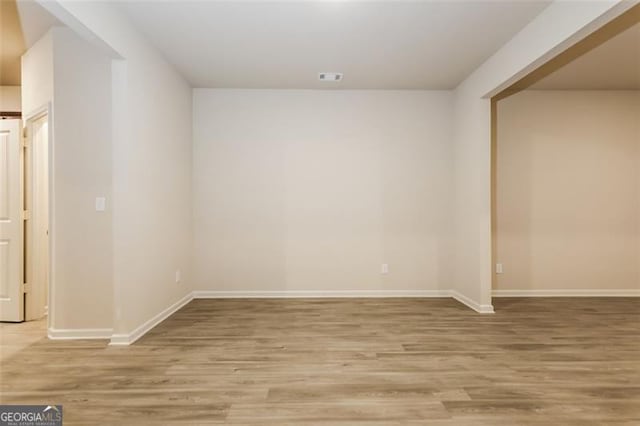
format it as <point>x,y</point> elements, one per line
<point>498,268</point>
<point>384,269</point>
<point>178,276</point>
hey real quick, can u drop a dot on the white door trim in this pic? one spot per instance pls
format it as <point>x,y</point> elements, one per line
<point>27,120</point>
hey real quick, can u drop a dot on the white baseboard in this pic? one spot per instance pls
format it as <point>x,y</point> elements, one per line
<point>79,333</point>
<point>566,293</point>
<point>482,309</point>
<point>214,294</point>
<point>127,339</point>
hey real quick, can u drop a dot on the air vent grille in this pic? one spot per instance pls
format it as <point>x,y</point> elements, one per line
<point>330,76</point>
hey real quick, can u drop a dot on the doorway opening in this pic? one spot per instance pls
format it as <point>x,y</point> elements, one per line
<point>565,152</point>
<point>36,224</point>
<point>24,218</point>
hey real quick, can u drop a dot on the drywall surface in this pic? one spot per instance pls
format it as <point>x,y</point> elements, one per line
<point>314,190</point>
<point>37,76</point>
<point>568,191</point>
<point>81,155</point>
<point>152,189</point>
<point>10,99</point>
<point>472,203</point>
<point>58,73</point>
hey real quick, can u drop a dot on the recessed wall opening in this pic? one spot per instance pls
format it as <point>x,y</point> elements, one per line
<point>565,181</point>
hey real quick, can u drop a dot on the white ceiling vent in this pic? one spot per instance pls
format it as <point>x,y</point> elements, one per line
<point>330,76</point>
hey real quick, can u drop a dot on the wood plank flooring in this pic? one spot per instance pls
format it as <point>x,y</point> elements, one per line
<point>551,361</point>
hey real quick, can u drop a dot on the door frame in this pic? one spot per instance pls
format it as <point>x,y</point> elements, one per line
<point>27,122</point>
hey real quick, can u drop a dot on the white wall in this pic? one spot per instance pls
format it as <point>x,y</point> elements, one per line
<point>568,205</point>
<point>59,71</point>
<point>152,187</point>
<point>314,190</point>
<point>152,233</point>
<point>10,99</point>
<point>81,155</point>
<point>37,76</point>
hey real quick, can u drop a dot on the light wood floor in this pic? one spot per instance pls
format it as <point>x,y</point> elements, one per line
<point>349,361</point>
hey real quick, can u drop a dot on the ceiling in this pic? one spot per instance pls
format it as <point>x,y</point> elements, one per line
<point>36,21</point>
<point>12,44</point>
<point>285,44</point>
<point>613,65</point>
<point>376,44</point>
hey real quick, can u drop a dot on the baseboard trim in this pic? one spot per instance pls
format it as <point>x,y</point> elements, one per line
<point>481,309</point>
<point>213,294</point>
<point>124,339</point>
<point>79,333</point>
<point>128,339</point>
<point>566,293</point>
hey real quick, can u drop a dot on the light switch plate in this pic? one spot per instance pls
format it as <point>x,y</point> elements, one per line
<point>101,204</point>
<point>498,268</point>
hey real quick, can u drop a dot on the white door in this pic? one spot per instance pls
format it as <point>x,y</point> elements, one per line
<point>11,223</point>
